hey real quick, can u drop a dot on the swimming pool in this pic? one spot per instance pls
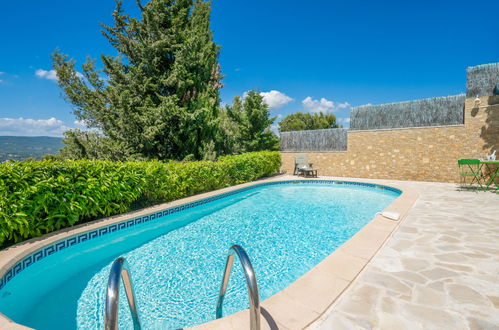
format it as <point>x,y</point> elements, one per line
<point>177,259</point>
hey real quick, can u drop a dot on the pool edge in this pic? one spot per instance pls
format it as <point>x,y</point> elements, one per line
<point>305,300</point>
<point>278,305</point>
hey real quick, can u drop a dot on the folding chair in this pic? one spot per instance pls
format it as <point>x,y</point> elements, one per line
<point>470,168</point>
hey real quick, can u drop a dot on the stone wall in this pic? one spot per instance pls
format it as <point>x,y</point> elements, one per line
<point>420,154</point>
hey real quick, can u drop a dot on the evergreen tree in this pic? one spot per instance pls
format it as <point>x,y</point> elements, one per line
<point>300,121</point>
<point>251,125</point>
<point>159,97</point>
<point>230,138</point>
<point>92,145</point>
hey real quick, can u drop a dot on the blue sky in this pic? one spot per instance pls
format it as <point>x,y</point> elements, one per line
<point>305,55</point>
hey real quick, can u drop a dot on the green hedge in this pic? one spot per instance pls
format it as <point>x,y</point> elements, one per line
<point>39,197</point>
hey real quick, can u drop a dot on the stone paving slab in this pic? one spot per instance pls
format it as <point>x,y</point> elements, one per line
<point>438,270</point>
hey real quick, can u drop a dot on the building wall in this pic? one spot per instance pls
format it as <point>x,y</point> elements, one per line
<point>420,154</point>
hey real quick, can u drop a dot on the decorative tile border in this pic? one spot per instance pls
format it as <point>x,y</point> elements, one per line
<point>82,237</point>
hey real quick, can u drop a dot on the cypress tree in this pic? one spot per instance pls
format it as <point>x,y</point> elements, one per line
<point>252,128</point>
<point>159,97</point>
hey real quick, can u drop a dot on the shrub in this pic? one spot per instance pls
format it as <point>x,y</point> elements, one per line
<point>39,197</point>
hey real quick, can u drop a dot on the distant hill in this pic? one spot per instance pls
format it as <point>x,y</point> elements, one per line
<point>22,147</point>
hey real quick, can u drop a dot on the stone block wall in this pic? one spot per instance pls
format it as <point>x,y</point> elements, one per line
<point>419,154</point>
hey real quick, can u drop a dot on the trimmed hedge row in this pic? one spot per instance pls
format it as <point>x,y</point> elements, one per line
<point>39,197</point>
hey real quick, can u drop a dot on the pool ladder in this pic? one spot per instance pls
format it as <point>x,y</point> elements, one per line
<point>120,270</point>
<point>249,274</point>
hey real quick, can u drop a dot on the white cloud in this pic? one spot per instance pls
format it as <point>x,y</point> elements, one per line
<point>343,120</point>
<point>275,99</point>
<point>51,74</point>
<point>32,127</point>
<point>323,105</point>
<point>44,74</point>
<point>81,123</point>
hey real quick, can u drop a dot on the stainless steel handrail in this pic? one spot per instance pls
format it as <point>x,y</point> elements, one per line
<point>249,274</point>
<point>119,269</point>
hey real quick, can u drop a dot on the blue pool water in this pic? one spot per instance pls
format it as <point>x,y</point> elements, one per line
<point>177,260</point>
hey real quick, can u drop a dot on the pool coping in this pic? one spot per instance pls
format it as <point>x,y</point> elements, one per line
<point>295,307</point>
<point>305,300</point>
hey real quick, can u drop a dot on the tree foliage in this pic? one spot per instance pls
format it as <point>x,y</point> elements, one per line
<point>159,97</point>
<point>300,121</point>
<point>92,145</point>
<point>246,125</point>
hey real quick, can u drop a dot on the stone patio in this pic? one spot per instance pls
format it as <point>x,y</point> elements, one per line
<point>438,270</point>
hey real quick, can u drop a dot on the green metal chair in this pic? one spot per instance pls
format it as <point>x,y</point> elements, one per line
<point>470,168</point>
